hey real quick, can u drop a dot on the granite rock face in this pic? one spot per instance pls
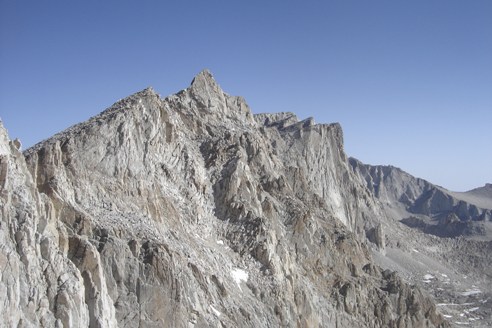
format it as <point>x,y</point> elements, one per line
<point>190,211</point>
<point>39,283</point>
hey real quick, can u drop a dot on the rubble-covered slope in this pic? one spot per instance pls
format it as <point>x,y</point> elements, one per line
<point>189,211</point>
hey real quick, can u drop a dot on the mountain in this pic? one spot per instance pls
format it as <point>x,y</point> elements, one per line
<point>421,204</point>
<point>436,239</point>
<point>481,197</point>
<point>190,211</point>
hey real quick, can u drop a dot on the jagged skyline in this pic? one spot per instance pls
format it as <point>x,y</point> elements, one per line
<point>410,82</point>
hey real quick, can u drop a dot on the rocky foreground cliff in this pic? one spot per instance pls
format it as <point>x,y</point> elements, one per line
<point>190,211</point>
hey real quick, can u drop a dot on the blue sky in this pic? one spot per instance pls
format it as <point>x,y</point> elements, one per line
<point>410,81</point>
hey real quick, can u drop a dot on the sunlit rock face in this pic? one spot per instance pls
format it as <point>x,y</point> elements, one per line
<point>190,211</point>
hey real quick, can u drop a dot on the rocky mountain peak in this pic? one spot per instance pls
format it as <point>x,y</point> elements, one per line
<point>205,78</point>
<point>149,91</point>
<point>205,98</point>
<point>7,145</point>
<point>205,89</point>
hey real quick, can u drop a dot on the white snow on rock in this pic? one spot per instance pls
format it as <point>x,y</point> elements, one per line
<point>428,277</point>
<point>239,275</point>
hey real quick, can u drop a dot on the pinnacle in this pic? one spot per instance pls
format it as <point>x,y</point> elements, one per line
<point>205,81</point>
<point>205,90</point>
<point>147,91</point>
<point>204,75</point>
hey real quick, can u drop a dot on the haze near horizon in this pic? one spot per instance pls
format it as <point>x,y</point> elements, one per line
<point>410,82</point>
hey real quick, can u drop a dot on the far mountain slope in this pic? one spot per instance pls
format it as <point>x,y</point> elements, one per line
<point>481,197</point>
<point>421,204</point>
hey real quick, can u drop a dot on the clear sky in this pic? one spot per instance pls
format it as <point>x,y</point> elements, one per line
<point>410,81</point>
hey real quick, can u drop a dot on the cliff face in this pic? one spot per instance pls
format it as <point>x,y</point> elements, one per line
<point>189,211</point>
<point>39,284</point>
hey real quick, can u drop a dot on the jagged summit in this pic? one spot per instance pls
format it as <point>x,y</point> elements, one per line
<point>204,95</point>
<point>205,89</point>
<point>203,77</point>
<point>147,91</point>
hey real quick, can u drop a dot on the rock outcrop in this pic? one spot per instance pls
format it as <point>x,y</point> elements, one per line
<point>39,283</point>
<point>190,211</point>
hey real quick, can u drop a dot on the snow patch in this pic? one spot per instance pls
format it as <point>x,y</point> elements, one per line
<point>239,275</point>
<point>428,277</point>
